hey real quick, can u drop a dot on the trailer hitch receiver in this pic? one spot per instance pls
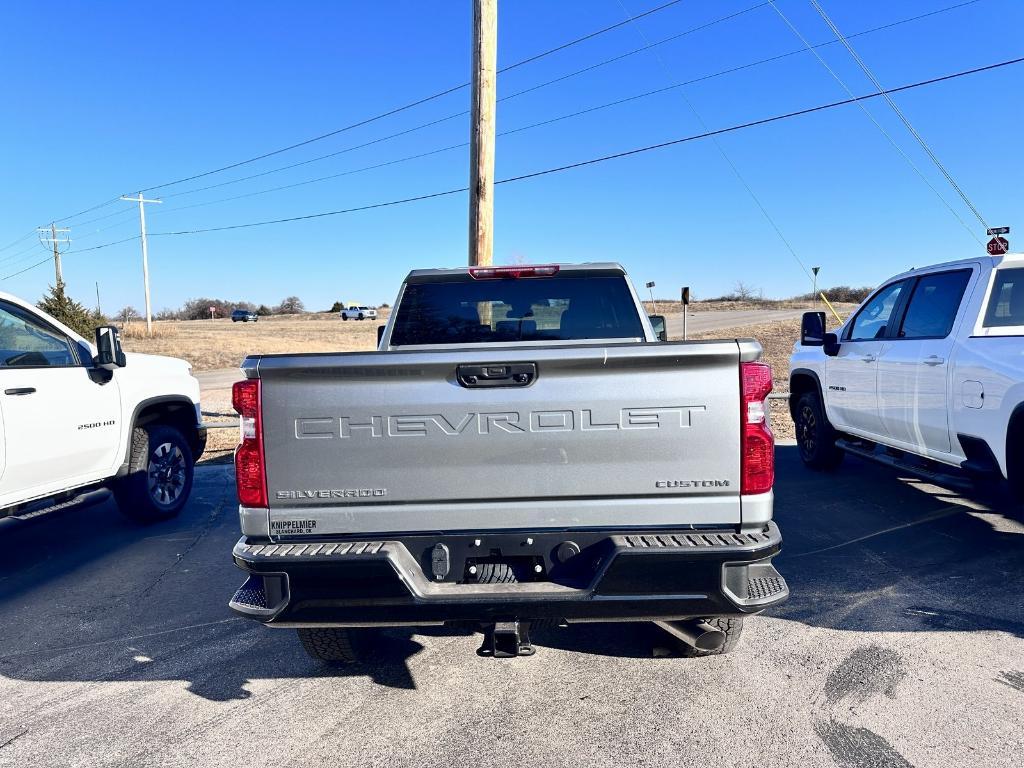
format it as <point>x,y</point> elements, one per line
<point>506,639</point>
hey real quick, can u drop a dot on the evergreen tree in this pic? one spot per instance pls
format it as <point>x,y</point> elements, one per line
<point>59,305</point>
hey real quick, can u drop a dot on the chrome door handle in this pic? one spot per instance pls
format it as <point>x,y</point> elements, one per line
<point>934,360</point>
<point>20,391</point>
<point>869,358</point>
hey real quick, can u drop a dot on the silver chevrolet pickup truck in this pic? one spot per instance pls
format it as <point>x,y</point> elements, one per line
<point>521,448</point>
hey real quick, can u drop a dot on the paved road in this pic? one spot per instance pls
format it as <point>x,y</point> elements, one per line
<point>902,645</point>
<point>698,322</point>
<point>223,378</point>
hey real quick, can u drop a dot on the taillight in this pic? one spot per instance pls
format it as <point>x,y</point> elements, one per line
<point>250,472</point>
<point>517,271</point>
<point>757,443</point>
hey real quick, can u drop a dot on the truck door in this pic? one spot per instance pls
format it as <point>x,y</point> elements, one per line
<point>912,370</point>
<point>3,450</point>
<point>852,375</point>
<point>60,427</point>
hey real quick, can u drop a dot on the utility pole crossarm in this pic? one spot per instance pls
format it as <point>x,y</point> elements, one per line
<point>55,241</point>
<point>145,253</point>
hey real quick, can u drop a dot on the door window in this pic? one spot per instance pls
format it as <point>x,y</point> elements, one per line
<point>26,343</point>
<point>934,304</point>
<point>872,322</point>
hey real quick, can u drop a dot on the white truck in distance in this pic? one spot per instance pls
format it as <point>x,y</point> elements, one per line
<point>358,313</point>
<point>77,418</point>
<point>926,375</point>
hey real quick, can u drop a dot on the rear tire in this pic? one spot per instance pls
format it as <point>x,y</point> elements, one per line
<point>160,474</point>
<point>1015,461</point>
<point>732,626</point>
<point>344,317</point>
<point>815,437</point>
<point>332,644</point>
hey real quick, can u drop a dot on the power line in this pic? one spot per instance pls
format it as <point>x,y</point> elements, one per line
<point>322,178</point>
<point>877,124</point>
<point>728,160</point>
<point>47,260</point>
<point>13,256</point>
<point>464,113</point>
<point>616,155</point>
<point>571,166</point>
<point>410,105</point>
<point>513,95</point>
<point>336,153</point>
<point>538,124</point>
<point>899,113</point>
<point>763,121</point>
<point>375,118</point>
<point>21,239</point>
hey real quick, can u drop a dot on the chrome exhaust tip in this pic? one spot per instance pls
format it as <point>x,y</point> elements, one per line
<point>696,633</point>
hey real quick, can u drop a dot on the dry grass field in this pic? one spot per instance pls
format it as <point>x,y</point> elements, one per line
<point>212,344</point>
<point>777,338</point>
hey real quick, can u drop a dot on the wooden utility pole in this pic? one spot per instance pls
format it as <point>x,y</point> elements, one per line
<point>481,142</point>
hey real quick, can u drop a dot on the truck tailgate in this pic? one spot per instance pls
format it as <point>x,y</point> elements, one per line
<point>621,435</point>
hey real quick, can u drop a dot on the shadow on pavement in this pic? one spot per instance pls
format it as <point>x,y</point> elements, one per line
<point>88,596</point>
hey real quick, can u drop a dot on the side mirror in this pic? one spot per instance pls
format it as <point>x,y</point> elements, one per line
<point>831,345</point>
<point>812,329</point>
<point>658,324</point>
<point>109,354</point>
<point>380,333</point>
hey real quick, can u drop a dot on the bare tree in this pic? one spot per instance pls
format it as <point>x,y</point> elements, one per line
<point>127,314</point>
<point>743,292</point>
<point>290,306</point>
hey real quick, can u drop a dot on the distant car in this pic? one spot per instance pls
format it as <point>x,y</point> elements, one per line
<point>359,313</point>
<point>244,316</point>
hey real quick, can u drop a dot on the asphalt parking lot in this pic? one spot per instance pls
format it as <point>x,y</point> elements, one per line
<point>902,645</point>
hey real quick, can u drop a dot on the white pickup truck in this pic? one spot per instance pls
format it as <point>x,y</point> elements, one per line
<point>358,313</point>
<point>77,418</point>
<point>926,375</point>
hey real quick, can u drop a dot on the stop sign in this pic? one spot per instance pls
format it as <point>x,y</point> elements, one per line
<point>997,246</point>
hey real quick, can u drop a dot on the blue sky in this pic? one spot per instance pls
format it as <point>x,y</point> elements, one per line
<point>102,99</point>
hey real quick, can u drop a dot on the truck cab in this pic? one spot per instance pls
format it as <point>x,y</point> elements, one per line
<point>78,417</point>
<point>927,372</point>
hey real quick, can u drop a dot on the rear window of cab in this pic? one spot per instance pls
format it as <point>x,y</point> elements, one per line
<point>1006,301</point>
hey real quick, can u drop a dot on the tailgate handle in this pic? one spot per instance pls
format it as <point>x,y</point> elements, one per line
<point>497,375</point>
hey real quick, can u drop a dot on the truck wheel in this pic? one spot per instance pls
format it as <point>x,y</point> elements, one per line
<point>815,437</point>
<point>1015,464</point>
<point>733,628</point>
<point>331,644</point>
<point>159,477</point>
<point>360,315</point>
<point>344,317</point>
